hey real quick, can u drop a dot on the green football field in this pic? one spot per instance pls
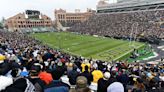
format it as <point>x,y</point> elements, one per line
<point>88,46</point>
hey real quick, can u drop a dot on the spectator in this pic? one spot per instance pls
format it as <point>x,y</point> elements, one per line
<point>104,82</point>
<point>21,85</point>
<point>46,77</point>
<point>115,87</point>
<point>72,75</point>
<point>88,75</point>
<point>81,85</point>
<point>85,63</point>
<point>118,25</point>
<point>34,78</point>
<point>97,74</point>
<point>56,85</point>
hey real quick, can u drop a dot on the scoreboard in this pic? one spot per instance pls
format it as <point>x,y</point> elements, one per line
<point>33,14</point>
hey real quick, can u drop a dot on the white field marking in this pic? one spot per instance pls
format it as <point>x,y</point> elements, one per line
<point>155,55</point>
<point>127,52</point>
<point>75,44</point>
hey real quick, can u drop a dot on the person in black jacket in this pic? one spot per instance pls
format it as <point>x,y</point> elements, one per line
<point>59,71</point>
<point>5,67</point>
<point>87,74</point>
<point>104,82</point>
<point>72,75</point>
<point>36,81</point>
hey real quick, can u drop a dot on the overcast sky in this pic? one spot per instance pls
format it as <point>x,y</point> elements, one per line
<point>9,8</point>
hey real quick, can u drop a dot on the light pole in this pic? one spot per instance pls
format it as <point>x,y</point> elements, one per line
<point>133,33</point>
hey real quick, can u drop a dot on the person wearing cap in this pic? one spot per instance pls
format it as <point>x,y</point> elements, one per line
<point>104,82</point>
<point>81,85</point>
<point>34,78</point>
<point>115,87</point>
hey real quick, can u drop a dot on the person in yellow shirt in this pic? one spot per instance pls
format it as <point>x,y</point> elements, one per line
<point>84,64</point>
<point>2,57</point>
<point>97,74</point>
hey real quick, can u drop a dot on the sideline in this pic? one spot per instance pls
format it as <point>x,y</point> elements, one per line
<point>127,52</point>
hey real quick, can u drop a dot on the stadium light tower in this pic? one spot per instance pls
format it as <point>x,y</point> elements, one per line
<point>133,34</point>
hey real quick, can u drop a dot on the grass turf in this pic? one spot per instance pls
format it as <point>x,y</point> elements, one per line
<point>88,46</point>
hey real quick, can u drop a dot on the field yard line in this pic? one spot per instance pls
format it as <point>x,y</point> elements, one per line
<point>127,52</point>
<point>73,49</point>
<point>112,48</point>
<point>76,38</point>
<point>95,50</point>
<point>52,46</point>
<point>45,43</point>
<point>79,43</point>
<point>70,52</point>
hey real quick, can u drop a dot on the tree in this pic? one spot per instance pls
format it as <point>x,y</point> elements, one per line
<point>1,25</point>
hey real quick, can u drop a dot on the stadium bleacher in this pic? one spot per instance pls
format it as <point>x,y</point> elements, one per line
<point>124,24</point>
<point>37,29</point>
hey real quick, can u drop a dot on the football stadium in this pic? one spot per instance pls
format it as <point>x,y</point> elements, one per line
<point>119,47</point>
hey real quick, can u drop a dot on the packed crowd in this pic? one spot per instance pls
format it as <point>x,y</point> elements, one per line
<point>28,66</point>
<point>124,25</point>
